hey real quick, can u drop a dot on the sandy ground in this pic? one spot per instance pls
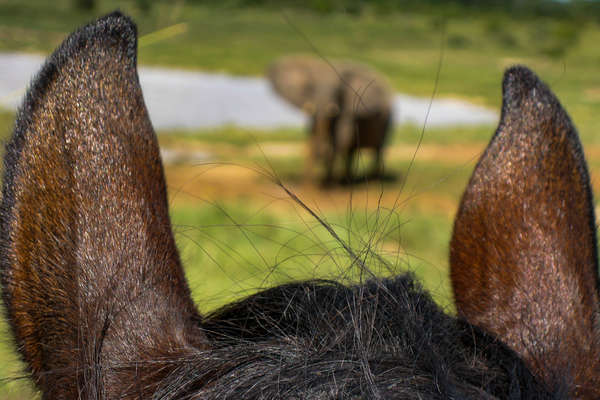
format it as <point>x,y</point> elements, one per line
<point>193,179</point>
<point>193,175</point>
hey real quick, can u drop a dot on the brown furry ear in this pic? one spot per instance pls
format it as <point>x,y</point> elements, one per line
<point>91,276</point>
<point>523,253</point>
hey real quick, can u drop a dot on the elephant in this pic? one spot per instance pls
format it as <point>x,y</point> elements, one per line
<point>349,105</point>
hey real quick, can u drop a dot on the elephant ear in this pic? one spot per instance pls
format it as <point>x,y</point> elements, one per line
<point>523,253</point>
<point>364,92</point>
<point>306,82</point>
<point>91,277</point>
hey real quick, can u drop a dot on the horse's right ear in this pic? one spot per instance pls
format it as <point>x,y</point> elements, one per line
<point>523,253</point>
<point>91,277</point>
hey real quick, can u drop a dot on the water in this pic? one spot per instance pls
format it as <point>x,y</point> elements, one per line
<point>190,100</point>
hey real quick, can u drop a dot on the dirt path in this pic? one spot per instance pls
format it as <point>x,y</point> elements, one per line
<point>212,181</point>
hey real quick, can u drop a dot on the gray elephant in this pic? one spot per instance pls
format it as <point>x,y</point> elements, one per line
<point>349,105</point>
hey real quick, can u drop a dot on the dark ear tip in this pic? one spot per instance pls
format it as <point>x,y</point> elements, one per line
<point>521,87</point>
<point>518,83</point>
<point>518,74</point>
<point>116,22</point>
<point>110,30</point>
<point>114,30</point>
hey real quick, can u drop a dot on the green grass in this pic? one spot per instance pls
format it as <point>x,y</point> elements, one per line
<point>230,135</point>
<point>244,137</point>
<point>6,124</point>
<point>233,249</point>
<point>407,47</point>
<point>13,384</point>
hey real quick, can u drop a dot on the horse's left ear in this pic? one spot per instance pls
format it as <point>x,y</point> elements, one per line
<point>91,277</point>
<point>523,252</point>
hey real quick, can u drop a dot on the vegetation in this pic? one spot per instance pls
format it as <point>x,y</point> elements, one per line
<point>408,46</point>
<point>570,9</point>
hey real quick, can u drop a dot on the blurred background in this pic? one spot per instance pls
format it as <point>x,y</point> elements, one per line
<point>227,137</point>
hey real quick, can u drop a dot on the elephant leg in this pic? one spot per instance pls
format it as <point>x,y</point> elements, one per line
<point>345,139</point>
<point>329,166</point>
<point>323,145</point>
<point>350,164</point>
<point>380,129</point>
<point>311,152</point>
<point>377,169</point>
<point>309,161</point>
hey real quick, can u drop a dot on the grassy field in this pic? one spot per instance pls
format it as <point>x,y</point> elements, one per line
<point>407,47</point>
<point>238,230</point>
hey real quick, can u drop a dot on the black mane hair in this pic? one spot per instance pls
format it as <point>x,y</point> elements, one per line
<point>383,339</point>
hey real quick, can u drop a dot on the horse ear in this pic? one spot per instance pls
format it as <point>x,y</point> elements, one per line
<point>91,277</point>
<point>523,253</point>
